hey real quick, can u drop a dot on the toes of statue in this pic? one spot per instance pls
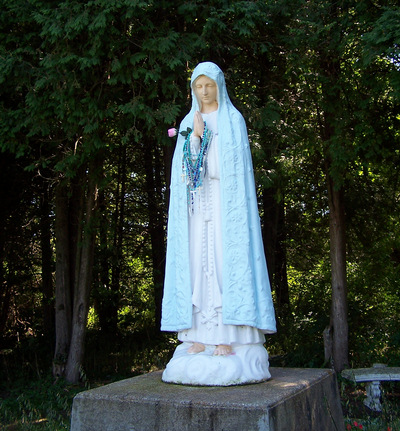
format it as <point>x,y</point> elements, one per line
<point>222,350</point>
<point>196,348</point>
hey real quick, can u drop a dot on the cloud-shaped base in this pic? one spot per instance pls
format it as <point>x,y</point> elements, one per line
<point>248,363</point>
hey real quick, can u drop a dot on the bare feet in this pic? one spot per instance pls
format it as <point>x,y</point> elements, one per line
<point>222,350</point>
<point>196,348</point>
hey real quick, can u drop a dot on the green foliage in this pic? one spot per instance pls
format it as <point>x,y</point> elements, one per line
<point>93,65</point>
<point>41,404</point>
<point>383,38</point>
<point>299,341</point>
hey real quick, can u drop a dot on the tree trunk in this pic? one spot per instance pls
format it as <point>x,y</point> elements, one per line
<point>156,226</point>
<point>117,245</point>
<point>339,325</point>
<point>84,271</point>
<point>274,245</point>
<point>338,331</point>
<point>63,282</point>
<point>110,257</point>
<point>103,266</point>
<point>6,290</point>
<point>47,265</point>
<point>75,239</point>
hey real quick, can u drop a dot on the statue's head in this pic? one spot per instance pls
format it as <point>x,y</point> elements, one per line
<point>206,91</point>
<point>210,74</point>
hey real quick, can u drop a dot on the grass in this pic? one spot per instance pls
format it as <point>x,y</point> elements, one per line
<point>39,404</point>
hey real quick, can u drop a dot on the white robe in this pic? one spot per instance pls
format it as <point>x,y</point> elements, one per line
<point>205,239</point>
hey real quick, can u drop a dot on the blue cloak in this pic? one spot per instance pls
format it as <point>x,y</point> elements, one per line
<point>246,292</point>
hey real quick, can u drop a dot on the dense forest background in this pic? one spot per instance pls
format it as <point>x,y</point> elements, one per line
<point>88,90</point>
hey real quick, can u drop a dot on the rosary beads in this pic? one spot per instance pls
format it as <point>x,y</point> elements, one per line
<point>192,165</point>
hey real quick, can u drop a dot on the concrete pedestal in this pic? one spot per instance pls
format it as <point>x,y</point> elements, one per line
<point>293,400</point>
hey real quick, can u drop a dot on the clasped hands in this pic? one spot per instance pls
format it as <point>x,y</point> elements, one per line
<point>198,125</point>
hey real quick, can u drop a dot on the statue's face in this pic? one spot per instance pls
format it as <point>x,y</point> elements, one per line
<point>206,91</point>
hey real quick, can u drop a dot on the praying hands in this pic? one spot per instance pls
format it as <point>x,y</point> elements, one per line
<point>198,125</point>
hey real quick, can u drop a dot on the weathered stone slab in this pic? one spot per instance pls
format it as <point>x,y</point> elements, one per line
<point>379,372</point>
<point>293,400</point>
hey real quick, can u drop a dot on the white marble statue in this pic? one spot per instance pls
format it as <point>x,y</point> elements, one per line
<point>217,294</point>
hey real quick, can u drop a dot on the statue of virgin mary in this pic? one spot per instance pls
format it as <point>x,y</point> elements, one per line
<point>217,293</point>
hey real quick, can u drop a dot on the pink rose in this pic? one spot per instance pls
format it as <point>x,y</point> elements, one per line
<point>172,132</point>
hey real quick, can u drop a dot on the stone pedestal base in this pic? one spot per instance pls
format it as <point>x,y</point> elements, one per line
<point>292,400</point>
<point>248,363</point>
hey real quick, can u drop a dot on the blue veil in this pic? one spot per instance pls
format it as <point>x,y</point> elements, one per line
<point>246,296</point>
